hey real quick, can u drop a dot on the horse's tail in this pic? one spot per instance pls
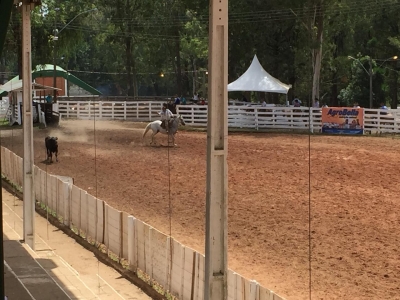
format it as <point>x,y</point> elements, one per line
<point>147,129</point>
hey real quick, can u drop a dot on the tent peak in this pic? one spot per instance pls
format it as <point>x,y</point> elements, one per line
<point>257,79</point>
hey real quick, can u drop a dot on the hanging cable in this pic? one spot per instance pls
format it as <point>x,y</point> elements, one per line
<point>271,15</point>
<point>95,189</point>
<point>169,202</point>
<point>309,199</point>
<point>14,187</point>
<point>13,184</point>
<point>46,162</point>
<point>2,290</point>
<point>96,182</point>
<point>46,192</point>
<point>169,189</point>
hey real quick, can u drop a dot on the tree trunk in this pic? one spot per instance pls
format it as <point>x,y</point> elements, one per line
<point>156,87</point>
<point>394,79</point>
<point>18,34</point>
<point>186,79</point>
<point>318,23</point>
<point>334,91</point>
<point>178,66</point>
<point>134,79</point>
<point>338,42</point>
<point>2,70</point>
<point>128,53</point>
<point>194,88</point>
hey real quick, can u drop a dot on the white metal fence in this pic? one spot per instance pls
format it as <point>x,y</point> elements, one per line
<point>3,108</point>
<point>168,263</point>
<point>121,110</point>
<point>257,117</point>
<point>239,116</point>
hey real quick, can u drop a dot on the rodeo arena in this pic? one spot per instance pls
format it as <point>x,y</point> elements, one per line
<point>225,200</point>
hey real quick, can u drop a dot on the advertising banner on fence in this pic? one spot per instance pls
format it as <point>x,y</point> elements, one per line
<point>343,120</point>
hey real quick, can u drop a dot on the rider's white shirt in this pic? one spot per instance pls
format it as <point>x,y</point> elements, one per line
<point>166,115</point>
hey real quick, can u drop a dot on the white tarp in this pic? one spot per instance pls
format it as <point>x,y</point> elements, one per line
<point>11,85</point>
<point>16,85</point>
<point>258,80</point>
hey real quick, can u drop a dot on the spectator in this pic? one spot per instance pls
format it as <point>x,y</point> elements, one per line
<point>183,100</point>
<point>384,107</point>
<point>316,103</point>
<point>49,98</point>
<point>264,104</point>
<point>196,97</point>
<point>296,102</point>
<point>355,105</point>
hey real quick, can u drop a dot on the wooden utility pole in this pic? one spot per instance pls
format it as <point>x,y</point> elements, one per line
<point>215,287</point>
<point>28,190</point>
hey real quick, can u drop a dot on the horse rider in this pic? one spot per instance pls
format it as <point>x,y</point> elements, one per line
<point>166,115</point>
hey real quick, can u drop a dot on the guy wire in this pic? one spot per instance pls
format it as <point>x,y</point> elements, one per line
<point>95,189</point>
<point>169,190</point>
<point>96,243</point>
<point>14,188</point>
<point>14,192</point>
<point>169,205</point>
<point>309,199</point>
<point>47,199</point>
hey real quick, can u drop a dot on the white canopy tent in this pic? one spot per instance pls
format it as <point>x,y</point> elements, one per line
<point>256,79</point>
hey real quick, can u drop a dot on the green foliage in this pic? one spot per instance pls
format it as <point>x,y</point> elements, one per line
<point>129,43</point>
<point>357,89</point>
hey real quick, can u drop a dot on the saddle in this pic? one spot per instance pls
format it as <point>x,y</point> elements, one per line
<point>163,124</point>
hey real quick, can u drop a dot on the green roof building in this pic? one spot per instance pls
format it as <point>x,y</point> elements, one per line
<point>68,84</point>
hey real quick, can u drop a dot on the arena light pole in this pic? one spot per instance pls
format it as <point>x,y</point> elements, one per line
<point>216,261</point>
<point>393,58</point>
<point>56,33</point>
<point>370,73</point>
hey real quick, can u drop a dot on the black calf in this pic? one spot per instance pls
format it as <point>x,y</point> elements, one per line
<point>51,147</point>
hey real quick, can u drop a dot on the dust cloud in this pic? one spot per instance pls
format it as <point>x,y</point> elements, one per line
<point>83,131</point>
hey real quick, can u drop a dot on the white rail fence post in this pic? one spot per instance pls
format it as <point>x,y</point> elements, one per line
<point>255,117</point>
<point>100,110</point>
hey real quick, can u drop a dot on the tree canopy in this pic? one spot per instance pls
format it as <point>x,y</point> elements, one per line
<point>137,47</point>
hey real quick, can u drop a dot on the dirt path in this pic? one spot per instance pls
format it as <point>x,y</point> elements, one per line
<point>354,200</point>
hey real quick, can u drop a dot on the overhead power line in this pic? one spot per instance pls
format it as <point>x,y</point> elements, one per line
<point>258,16</point>
<point>253,17</point>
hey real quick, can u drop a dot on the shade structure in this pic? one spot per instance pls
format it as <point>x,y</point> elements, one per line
<point>256,79</point>
<point>47,70</point>
<point>16,85</point>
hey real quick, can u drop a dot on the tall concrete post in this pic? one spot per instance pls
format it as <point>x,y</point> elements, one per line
<point>28,191</point>
<point>215,287</point>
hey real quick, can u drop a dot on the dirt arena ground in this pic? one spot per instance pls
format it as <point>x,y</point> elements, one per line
<point>355,205</point>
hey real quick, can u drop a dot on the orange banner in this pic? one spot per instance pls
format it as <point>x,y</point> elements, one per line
<point>343,120</point>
